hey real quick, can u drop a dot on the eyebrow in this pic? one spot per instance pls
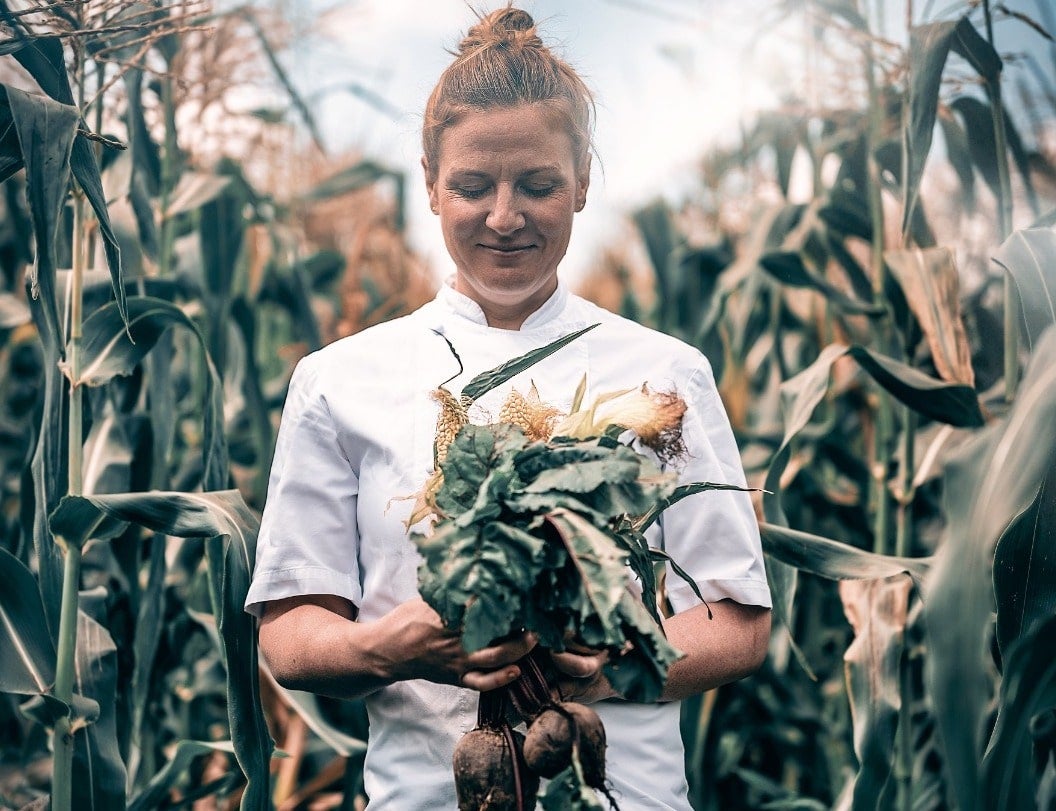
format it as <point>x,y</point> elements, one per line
<point>535,170</point>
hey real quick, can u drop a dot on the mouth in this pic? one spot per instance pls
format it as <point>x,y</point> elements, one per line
<point>506,250</point>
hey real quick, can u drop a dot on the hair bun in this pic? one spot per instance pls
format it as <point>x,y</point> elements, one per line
<point>504,27</point>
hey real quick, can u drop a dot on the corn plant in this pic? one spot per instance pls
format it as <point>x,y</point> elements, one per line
<point>881,409</point>
<point>141,381</point>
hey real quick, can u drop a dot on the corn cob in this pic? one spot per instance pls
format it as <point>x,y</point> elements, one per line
<point>448,423</point>
<point>530,414</point>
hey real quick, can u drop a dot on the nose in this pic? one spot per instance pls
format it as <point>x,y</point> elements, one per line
<point>505,217</point>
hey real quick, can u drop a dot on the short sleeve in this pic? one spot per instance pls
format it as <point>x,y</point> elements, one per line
<point>714,535</point>
<point>308,540</point>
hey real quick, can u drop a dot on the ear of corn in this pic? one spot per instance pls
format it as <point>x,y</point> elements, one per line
<point>530,414</point>
<point>449,422</point>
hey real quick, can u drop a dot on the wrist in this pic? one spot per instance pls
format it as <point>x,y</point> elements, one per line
<point>372,644</point>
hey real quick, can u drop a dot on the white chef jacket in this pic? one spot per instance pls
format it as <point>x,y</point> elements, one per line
<point>357,432</point>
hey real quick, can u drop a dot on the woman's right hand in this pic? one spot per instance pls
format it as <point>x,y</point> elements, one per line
<point>414,644</point>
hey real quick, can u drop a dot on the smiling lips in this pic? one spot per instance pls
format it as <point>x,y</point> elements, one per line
<point>506,249</point>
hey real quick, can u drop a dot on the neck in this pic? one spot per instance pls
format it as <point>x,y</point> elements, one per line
<point>510,316</point>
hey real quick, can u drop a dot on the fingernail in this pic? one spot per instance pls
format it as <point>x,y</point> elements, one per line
<point>512,673</point>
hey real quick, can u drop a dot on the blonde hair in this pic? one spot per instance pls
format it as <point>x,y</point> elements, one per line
<point>502,62</point>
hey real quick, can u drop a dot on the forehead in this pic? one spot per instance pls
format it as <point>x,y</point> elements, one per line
<point>527,135</point>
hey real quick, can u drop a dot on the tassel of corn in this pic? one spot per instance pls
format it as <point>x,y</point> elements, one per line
<point>448,423</point>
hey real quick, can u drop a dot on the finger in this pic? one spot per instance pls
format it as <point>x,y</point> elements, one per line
<point>577,666</point>
<point>506,653</point>
<point>484,680</point>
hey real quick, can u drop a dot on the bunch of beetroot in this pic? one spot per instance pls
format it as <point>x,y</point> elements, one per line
<point>497,768</point>
<point>539,526</point>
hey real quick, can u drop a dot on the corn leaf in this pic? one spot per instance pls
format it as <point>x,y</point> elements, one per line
<point>150,624</point>
<point>46,130</point>
<point>978,119</point>
<point>1029,256</point>
<point>995,478</point>
<point>44,60</point>
<point>930,280</point>
<point>115,346</point>
<point>1010,776</point>
<point>98,768</point>
<point>230,530</point>
<point>929,46</point>
<point>1025,568</point>
<point>157,791</point>
<point>486,381</point>
<point>834,560</point>
<point>877,611</point>
<point>788,268</point>
<point>49,469</point>
<point>28,663</point>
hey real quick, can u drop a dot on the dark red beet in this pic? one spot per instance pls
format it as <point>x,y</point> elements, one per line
<point>548,746</point>
<point>485,779</point>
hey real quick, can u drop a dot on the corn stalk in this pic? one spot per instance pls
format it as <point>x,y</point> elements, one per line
<point>63,733</point>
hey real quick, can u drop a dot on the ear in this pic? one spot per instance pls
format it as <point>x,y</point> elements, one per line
<point>582,182</point>
<point>430,185</point>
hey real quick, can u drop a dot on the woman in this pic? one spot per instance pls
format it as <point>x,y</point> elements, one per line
<point>506,144</point>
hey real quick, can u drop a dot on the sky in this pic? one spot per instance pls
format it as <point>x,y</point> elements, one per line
<point>671,78</point>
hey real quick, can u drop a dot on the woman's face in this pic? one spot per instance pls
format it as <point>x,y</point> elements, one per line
<point>506,186</point>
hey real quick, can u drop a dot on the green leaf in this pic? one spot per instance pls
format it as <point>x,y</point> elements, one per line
<point>28,663</point>
<point>98,768</point>
<point>834,560</point>
<point>601,567</point>
<point>929,46</point>
<point>1028,688</point>
<point>930,280</point>
<point>640,673</point>
<point>46,130</point>
<point>150,625</point>
<point>788,268</point>
<point>186,515</point>
<point>978,119</point>
<point>230,566</point>
<point>157,791</point>
<point>995,478</point>
<point>952,403</point>
<point>644,521</point>
<point>475,577</point>
<point>486,381</point>
<point>1025,568</point>
<point>115,346</point>
<point>1029,256</point>
<point>585,477</point>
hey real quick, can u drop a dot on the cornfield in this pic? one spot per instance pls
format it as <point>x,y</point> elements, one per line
<point>883,340</point>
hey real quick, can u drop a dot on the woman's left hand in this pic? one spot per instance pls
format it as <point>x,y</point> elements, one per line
<point>580,675</point>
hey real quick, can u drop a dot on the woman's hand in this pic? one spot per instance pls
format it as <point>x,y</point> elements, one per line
<point>581,678</point>
<point>416,645</point>
<point>314,642</point>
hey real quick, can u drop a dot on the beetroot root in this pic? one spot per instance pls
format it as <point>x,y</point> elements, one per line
<point>491,777</point>
<point>548,745</point>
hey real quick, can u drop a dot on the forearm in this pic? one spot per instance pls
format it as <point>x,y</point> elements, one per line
<point>317,646</point>
<point>727,647</point>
